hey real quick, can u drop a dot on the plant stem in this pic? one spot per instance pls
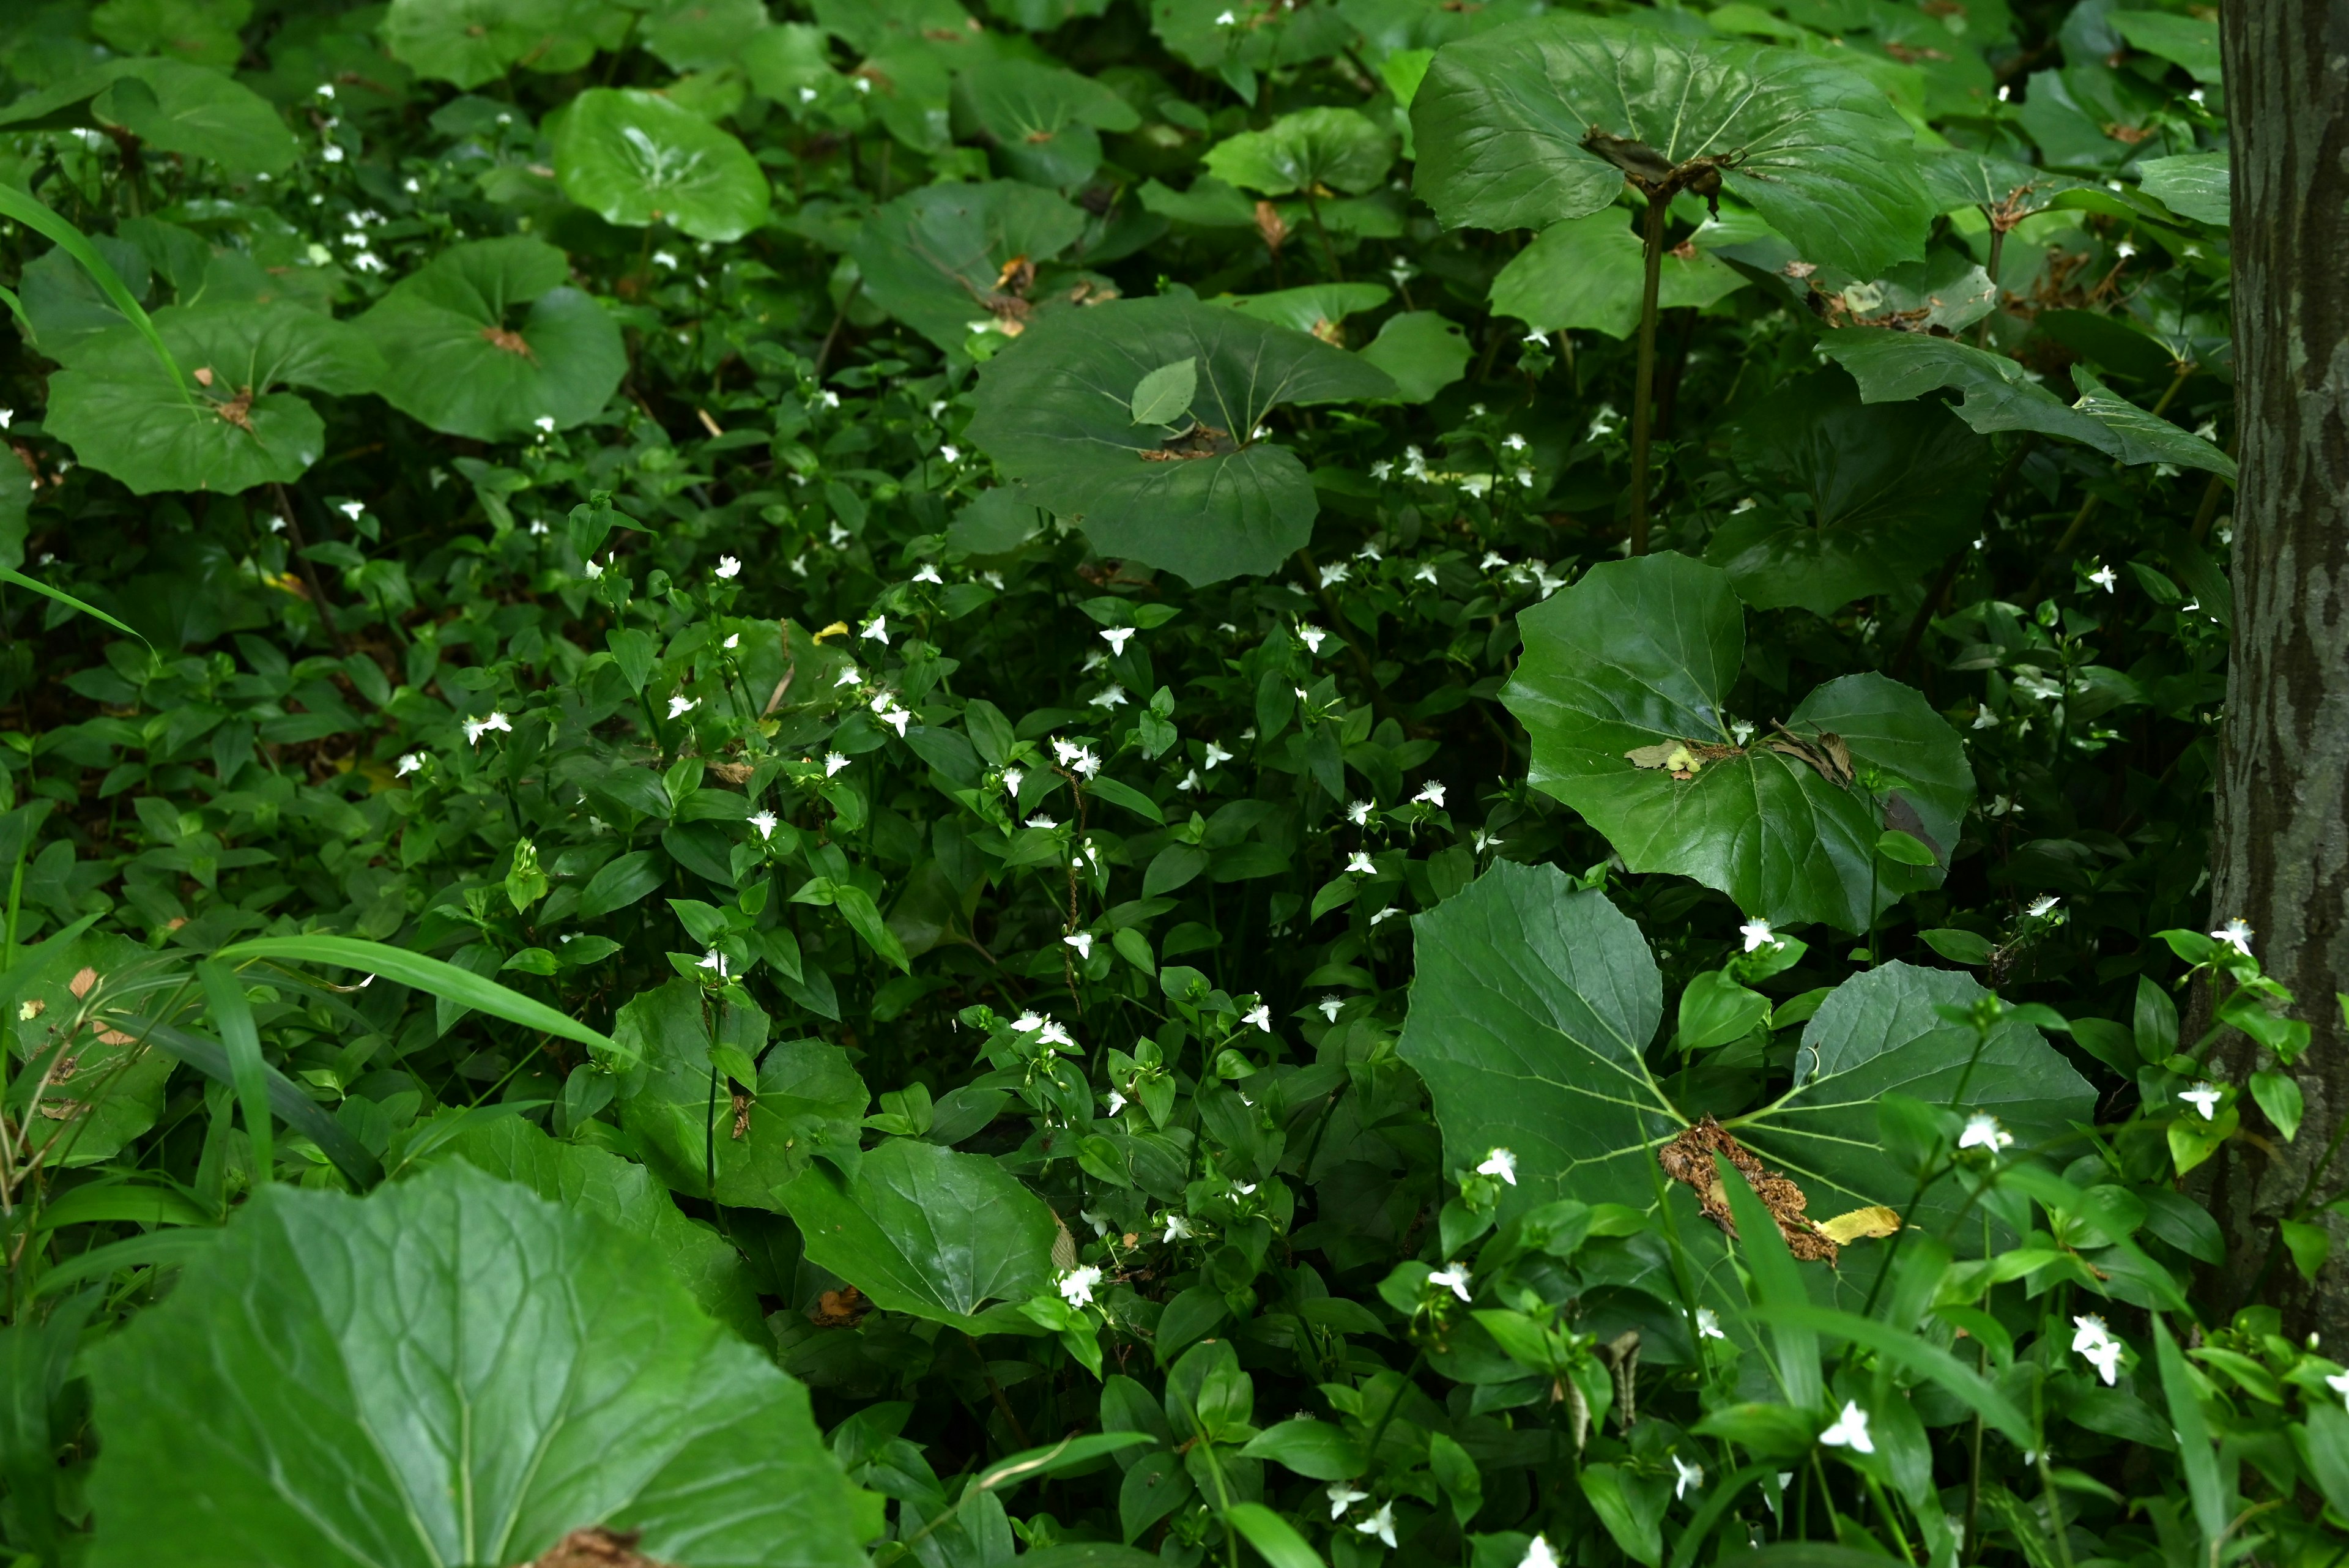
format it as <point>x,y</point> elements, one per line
<point>1328,251</point>
<point>309,573</point>
<point>1997,245</point>
<point>1642,424</point>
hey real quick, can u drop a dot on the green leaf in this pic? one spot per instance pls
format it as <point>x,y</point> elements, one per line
<point>202,32</point>
<point>926,1230</point>
<point>1319,308</point>
<point>450,1371</point>
<point>1588,274</point>
<point>1862,498</point>
<point>702,34</point>
<point>1164,395</point>
<point>1638,657</point>
<point>2188,41</point>
<point>1625,1506</point>
<point>1531,1010</point>
<point>1275,1539</point>
<point>1900,1345</point>
<point>468,42</point>
<point>2197,1455</point>
<point>1313,151</point>
<point>2138,436</point>
<point>1421,350</point>
<point>1315,1449</point>
<point>1214,503</point>
<point>1715,1010</point>
<point>1878,1034</point>
<point>104,1085</point>
<point>2194,185</point>
<point>233,1016</point>
<point>462,355</point>
<point>1500,120</point>
<point>634,159</point>
<point>449,983</point>
<point>1044,121</point>
<point>937,258</point>
<point>1958,177</point>
<point>171,106</point>
<point>622,1193</point>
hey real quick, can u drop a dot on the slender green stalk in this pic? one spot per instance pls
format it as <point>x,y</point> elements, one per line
<point>1643,392</point>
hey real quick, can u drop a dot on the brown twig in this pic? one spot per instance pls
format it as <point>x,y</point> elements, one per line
<point>309,573</point>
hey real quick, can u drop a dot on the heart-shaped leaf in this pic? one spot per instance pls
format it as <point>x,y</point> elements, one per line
<point>463,355</point>
<point>448,1371</point>
<point>1319,309</point>
<point>1336,148</point>
<point>1422,350</point>
<point>927,1230</point>
<point>470,42</point>
<point>945,256</point>
<point>228,429</point>
<point>634,159</point>
<point>1586,274</point>
<point>1858,498</point>
<point>169,105</point>
<point>1215,502</point>
<point>1501,118</point>
<point>1622,688</point>
<point>1044,121</point>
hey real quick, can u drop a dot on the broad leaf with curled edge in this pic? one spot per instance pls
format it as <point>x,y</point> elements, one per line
<point>1589,273</point>
<point>1214,503</point>
<point>490,338</point>
<point>636,159</point>
<point>1045,120</point>
<point>470,42</point>
<point>450,1370</point>
<point>927,1230</point>
<point>170,106</point>
<point>1531,1010</point>
<point>1877,1034</point>
<point>1814,147</point>
<point>232,427</point>
<point>2000,395</point>
<point>1631,668</point>
<point>1864,497</point>
<point>946,257</point>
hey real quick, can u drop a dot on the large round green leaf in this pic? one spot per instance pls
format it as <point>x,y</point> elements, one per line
<point>701,34</point>
<point>228,429</point>
<point>636,159</point>
<point>1337,149</point>
<point>169,105</point>
<point>1210,500</point>
<point>202,32</point>
<point>1588,274</point>
<point>1878,1034</point>
<point>924,1230</point>
<point>1857,498</point>
<point>450,1371</point>
<point>463,354</point>
<point>945,256</point>
<point>1623,683</point>
<point>1044,121</point>
<point>470,42</point>
<point>1531,1007</point>
<point>1500,120</point>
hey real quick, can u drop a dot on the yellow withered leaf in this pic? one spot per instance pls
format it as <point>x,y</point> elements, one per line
<point>1859,1224</point>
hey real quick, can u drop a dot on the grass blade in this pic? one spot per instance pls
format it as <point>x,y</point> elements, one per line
<point>1911,1354</point>
<point>234,1015</point>
<point>63,598</point>
<point>28,210</point>
<point>444,981</point>
<point>295,1108</point>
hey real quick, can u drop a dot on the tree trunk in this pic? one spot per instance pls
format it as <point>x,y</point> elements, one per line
<point>2280,840</point>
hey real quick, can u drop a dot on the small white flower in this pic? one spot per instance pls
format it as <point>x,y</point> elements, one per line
<point>877,629</point>
<point>1983,718</point>
<point>1538,1554</point>
<point>2042,907</point>
<point>1493,561</point>
<point>1042,821</point>
<point>1514,442</point>
<point>2104,577</point>
<point>1110,696</point>
<point>1245,1188</point>
<point>1226,19</point>
<point>1525,478</point>
<point>2088,1331</point>
<point>1381,1524</point>
<point>1850,1430</point>
<point>1084,942</point>
<point>679,707</point>
<point>2339,1383</point>
<point>1116,1102</point>
<point>1758,935</point>
<point>1100,1225</point>
<point>412,762</point>
<point>2204,1097</point>
<point>1329,1006</point>
<point>1116,637</point>
<point>1382,469</point>
<point>1982,1131</point>
<point>929,574</point>
<point>807,95</point>
<point>331,153</point>
<point>733,640</point>
<point>1077,1285</point>
<point>851,676</point>
<point>545,424</point>
<point>1260,1015</point>
<point>1358,812</point>
<point>1216,753</point>
<point>1359,865</point>
<point>476,728</point>
<point>766,821</point>
<point>832,763</point>
<point>1012,778</point>
<point>1343,1497</point>
<point>1453,1279</point>
<point>1386,914</point>
<point>1312,637</point>
<point>829,400</point>
<point>2237,934</point>
<point>1426,574</point>
<point>1684,1476</point>
<point>1028,1023</point>
<point>1333,576</point>
<point>1482,841</point>
<point>350,509</point>
<point>886,709</point>
<point>366,261</point>
<point>714,961</point>
<point>1191,781</point>
<point>2106,1359</point>
<point>1708,1325</point>
<point>1741,730</point>
<point>1500,1163</point>
<point>728,567</point>
<point>2125,249</point>
<point>1433,793</point>
<point>1177,1229</point>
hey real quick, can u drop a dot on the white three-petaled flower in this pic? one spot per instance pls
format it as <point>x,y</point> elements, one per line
<point>679,707</point>
<point>1331,1006</point>
<point>1216,753</point>
<point>1982,1131</point>
<point>476,728</point>
<point>2204,1097</point>
<point>1116,1102</point>
<point>1381,1524</point>
<point>1538,1554</point>
<point>2042,907</point>
<point>1177,1229</point>
<point>2237,934</point>
<point>1359,865</point>
<point>1082,941</point>
<point>1433,795</point>
<point>409,764</point>
<point>832,763</point>
<point>1850,1430</point>
<point>766,823</point>
<point>1343,1497</point>
<point>1757,935</point>
<point>1312,637</point>
<point>714,961</point>
<point>1453,1279</point>
<point>728,567</point>
<point>1684,1476</point>
<point>1500,1163</point>
<point>2095,1343</point>
<point>1260,1015</point>
<point>1116,638</point>
<point>877,629</point>
<point>1077,1285</point>
<point>1708,1325</point>
<point>2339,1383</point>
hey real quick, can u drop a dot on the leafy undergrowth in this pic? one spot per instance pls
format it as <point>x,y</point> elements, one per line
<point>1338,781</point>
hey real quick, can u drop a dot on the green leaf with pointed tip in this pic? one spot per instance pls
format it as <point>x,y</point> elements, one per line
<point>1858,498</point>
<point>1958,178</point>
<point>1044,121</point>
<point>1238,40</point>
<point>470,42</point>
<point>202,32</point>
<point>1319,308</point>
<point>171,106</point>
<point>1585,273</point>
<point>1877,1034</point>
<point>122,413</point>
<point>2195,186</point>
<point>1531,1010</point>
<point>115,1088</point>
<point>701,34</point>
<point>1641,654</point>
<point>1500,120</point>
<point>636,159</point>
<point>1421,350</point>
<point>450,1370</point>
<point>933,257</point>
<point>2138,435</point>
<point>927,1230</point>
<point>1313,150</point>
<point>462,355</point>
<point>1164,395</point>
<point>2188,41</point>
<point>1214,503</point>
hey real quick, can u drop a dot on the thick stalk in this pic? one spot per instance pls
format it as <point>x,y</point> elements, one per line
<point>1643,393</point>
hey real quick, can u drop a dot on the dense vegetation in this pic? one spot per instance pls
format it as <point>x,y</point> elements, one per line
<point>1337,779</point>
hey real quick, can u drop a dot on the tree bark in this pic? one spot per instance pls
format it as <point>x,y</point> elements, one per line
<point>2281,838</point>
